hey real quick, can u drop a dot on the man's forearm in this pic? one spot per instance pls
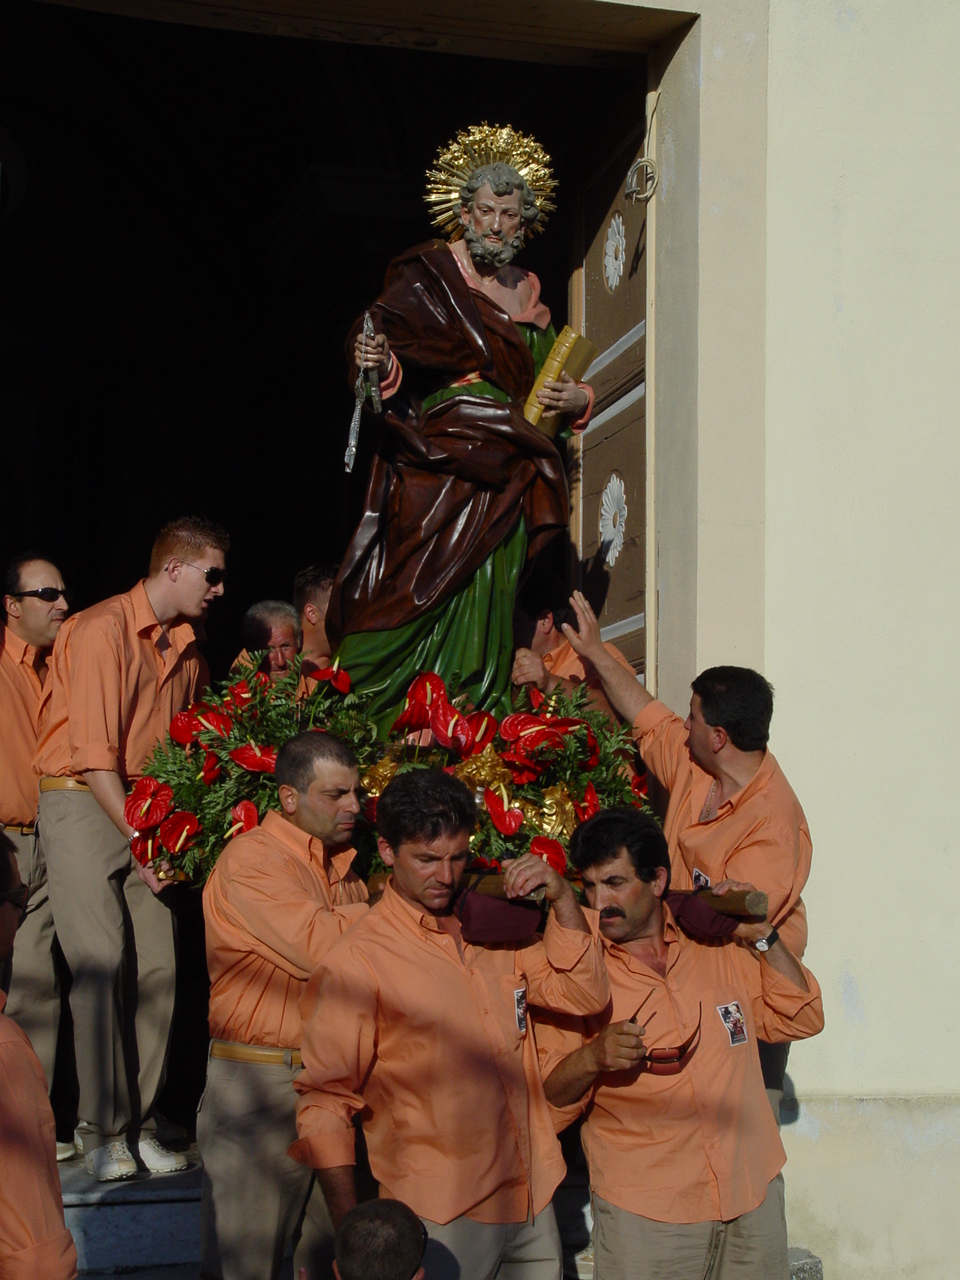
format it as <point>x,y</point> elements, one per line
<point>569,913</point>
<point>783,960</point>
<point>571,1078</point>
<point>109,793</point>
<point>624,691</point>
<point>339,1186</point>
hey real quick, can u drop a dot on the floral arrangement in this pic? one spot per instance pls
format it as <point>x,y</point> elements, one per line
<point>213,776</point>
<point>536,773</point>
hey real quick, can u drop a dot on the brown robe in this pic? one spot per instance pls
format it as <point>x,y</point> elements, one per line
<point>449,485</point>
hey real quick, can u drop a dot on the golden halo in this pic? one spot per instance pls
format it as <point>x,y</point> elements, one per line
<point>479,145</point>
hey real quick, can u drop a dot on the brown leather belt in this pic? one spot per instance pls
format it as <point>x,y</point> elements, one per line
<point>255,1053</point>
<point>27,829</point>
<point>62,784</point>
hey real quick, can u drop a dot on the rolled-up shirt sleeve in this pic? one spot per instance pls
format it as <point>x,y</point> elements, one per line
<point>661,740</point>
<point>783,1011</point>
<point>338,1013</point>
<point>566,971</point>
<point>94,724</point>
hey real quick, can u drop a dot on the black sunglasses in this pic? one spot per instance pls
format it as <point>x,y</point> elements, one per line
<point>212,576</point>
<point>19,899</point>
<point>49,595</point>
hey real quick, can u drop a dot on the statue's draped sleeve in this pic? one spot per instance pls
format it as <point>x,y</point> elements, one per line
<point>449,483</point>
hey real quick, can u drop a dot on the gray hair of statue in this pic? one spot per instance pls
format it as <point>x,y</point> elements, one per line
<point>261,618</point>
<point>502,180</point>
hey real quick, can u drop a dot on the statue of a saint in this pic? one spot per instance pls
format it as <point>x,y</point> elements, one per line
<point>463,489</point>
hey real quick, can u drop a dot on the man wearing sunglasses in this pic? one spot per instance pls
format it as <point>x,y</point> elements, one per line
<point>35,604</point>
<point>683,1150</point>
<point>33,1238</point>
<point>119,672</point>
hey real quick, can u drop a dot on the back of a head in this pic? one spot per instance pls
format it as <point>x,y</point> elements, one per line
<point>299,756</point>
<point>187,537</point>
<point>739,700</point>
<point>379,1240</point>
<point>600,839</point>
<point>261,619</point>
<point>546,592</point>
<point>424,804</point>
<point>312,584</point>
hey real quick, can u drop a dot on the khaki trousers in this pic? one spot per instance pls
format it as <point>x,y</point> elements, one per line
<point>751,1247</point>
<point>256,1200</point>
<point>468,1250</point>
<point>33,1001</point>
<point>118,940</point>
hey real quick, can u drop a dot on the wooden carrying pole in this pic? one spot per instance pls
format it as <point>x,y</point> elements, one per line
<point>746,904</point>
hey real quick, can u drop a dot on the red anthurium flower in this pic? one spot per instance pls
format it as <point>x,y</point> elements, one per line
<point>589,805</point>
<point>450,727</point>
<point>215,722</point>
<point>536,697</point>
<point>148,804</point>
<point>523,769</point>
<point>484,729</point>
<point>255,759</point>
<point>185,728</point>
<point>245,818</point>
<point>211,769</point>
<point>144,848</point>
<point>414,716</point>
<point>427,688</point>
<point>175,831</point>
<point>638,785</point>
<point>335,674</point>
<point>551,851</point>
<point>513,725</point>
<point>479,863</point>
<point>507,821</point>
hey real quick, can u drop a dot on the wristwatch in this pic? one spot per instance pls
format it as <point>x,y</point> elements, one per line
<point>764,944</point>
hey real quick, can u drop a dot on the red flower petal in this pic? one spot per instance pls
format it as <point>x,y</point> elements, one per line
<point>590,804</point>
<point>523,770</point>
<point>427,688</point>
<point>255,759</point>
<point>551,851</point>
<point>450,727</point>
<point>414,716</point>
<point>176,831</point>
<point>484,728</point>
<point>513,725</point>
<point>215,722</point>
<point>246,814</point>
<point>144,848</point>
<point>211,769</point>
<point>536,697</point>
<point>148,804</point>
<point>507,821</point>
<point>185,728</point>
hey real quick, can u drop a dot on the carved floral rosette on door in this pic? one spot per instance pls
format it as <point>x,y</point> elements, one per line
<point>612,482</point>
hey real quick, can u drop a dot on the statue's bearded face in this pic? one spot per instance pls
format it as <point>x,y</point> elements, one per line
<point>493,227</point>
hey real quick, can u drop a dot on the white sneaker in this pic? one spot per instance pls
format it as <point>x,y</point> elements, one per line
<point>158,1159</point>
<point>111,1162</point>
<point>66,1151</point>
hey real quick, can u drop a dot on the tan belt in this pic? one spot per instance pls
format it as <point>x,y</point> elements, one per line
<point>27,829</point>
<point>62,784</point>
<point>254,1053</point>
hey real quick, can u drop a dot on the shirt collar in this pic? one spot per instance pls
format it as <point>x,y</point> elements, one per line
<point>759,779</point>
<point>407,910</point>
<point>21,652</point>
<point>671,936</point>
<point>553,658</point>
<point>309,848</point>
<point>146,622</point>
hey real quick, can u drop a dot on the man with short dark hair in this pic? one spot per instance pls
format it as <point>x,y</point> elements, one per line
<point>273,625</point>
<point>34,1242</point>
<point>120,671</point>
<point>277,900</point>
<point>35,603</point>
<point>544,657</point>
<point>683,1151</point>
<point>426,1034</point>
<point>380,1240</point>
<point>311,598</point>
<point>732,814</point>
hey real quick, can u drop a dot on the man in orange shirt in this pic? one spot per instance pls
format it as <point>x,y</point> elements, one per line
<point>119,672</point>
<point>278,898</point>
<point>544,657</point>
<point>311,598</point>
<point>732,814</point>
<point>33,1238</point>
<point>683,1151</point>
<point>35,605</point>
<point>427,1035</point>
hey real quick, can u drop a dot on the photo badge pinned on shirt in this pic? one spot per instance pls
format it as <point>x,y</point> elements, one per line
<point>520,1000</point>
<point>734,1021</point>
<point>700,881</point>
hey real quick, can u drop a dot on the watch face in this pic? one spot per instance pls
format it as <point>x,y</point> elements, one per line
<point>763,944</point>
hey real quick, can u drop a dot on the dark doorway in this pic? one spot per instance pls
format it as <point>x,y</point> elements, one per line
<point>190,219</point>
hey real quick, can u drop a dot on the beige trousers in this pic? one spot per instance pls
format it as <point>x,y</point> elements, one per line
<point>256,1200</point>
<point>33,1001</point>
<point>468,1250</point>
<point>751,1247</point>
<point>118,940</point>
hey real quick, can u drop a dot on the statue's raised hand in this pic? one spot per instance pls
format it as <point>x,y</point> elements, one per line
<point>372,353</point>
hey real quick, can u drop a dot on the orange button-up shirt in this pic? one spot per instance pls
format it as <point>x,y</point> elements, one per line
<point>21,689</point>
<point>436,1046</point>
<point>566,664</point>
<point>33,1238</point>
<point>759,835</point>
<point>700,1145</point>
<point>116,681</point>
<point>273,907</point>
